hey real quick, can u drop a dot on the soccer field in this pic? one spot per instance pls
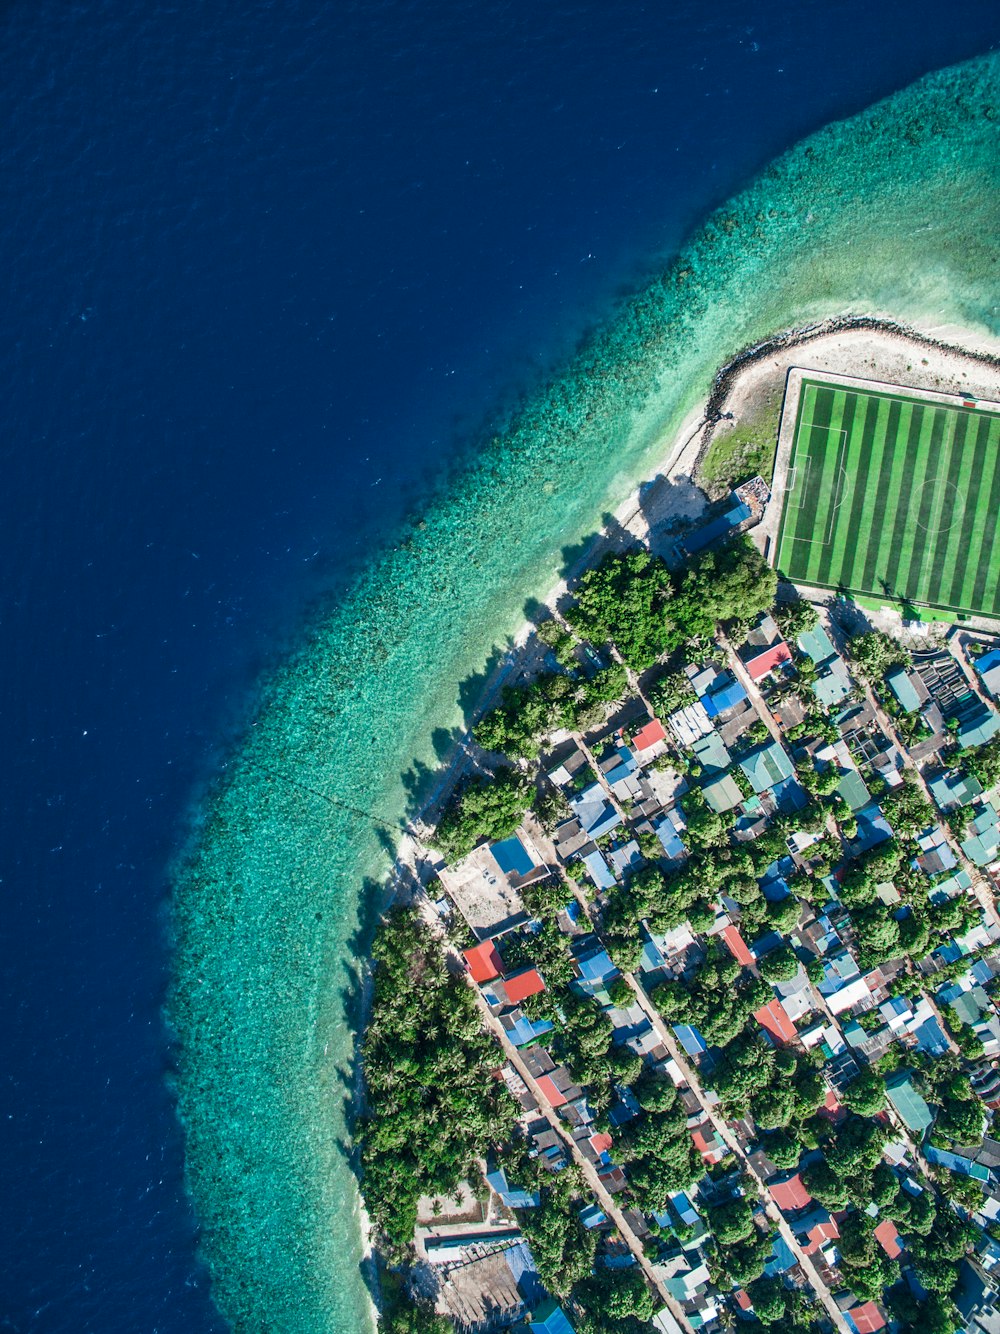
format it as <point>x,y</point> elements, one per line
<point>893,497</point>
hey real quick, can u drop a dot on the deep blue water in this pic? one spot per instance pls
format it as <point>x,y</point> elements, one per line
<point>267,265</point>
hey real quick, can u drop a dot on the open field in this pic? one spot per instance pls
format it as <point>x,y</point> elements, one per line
<point>894,496</point>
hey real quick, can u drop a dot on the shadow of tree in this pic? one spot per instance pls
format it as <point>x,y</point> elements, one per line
<point>671,506</point>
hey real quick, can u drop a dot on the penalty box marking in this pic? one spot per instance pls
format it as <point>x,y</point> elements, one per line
<point>797,484</point>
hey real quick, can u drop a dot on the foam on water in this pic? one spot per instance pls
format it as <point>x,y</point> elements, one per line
<point>895,211</point>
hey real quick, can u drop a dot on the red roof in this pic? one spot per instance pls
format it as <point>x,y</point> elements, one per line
<point>820,1233</point>
<point>519,986</point>
<point>649,735</point>
<point>767,661</point>
<point>737,946</point>
<point>867,1318</point>
<point>790,1194</point>
<point>707,1147</point>
<point>545,1083</point>
<point>484,962</point>
<point>743,1300</point>
<point>888,1238</point>
<point>601,1143</point>
<point>774,1020</point>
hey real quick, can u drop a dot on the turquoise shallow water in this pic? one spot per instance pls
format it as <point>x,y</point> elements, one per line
<point>894,211</point>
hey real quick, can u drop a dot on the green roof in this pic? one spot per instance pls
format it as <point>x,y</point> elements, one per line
<point>901,686</point>
<point>767,766</point>
<point>711,753</point>
<point>910,1106</point>
<point>816,643</point>
<point>722,794</point>
<point>852,788</point>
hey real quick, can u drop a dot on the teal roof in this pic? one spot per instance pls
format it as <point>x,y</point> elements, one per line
<point>767,766</point>
<point>983,842</point>
<point>950,789</point>
<point>712,754</point>
<point>901,686</point>
<point>817,644</point>
<point>912,1109</point>
<point>852,788</point>
<point>722,794</point>
<point>834,686</point>
<point>980,732</point>
<point>550,1318</point>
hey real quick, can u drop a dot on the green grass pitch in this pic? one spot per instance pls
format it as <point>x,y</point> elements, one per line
<point>893,497</point>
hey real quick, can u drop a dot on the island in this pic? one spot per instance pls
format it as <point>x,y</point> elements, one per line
<point>685,1013</point>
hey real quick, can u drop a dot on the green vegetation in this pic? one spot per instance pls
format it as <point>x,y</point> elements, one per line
<point>624,600</point>
<point>563,1248</point>
<point>739,452</point>
<point>718,1000</point>
<point>928,545</point>
<point>434,1109</point>
<point>487,807</point>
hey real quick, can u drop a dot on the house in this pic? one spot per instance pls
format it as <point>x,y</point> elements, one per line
<point>978,727</point>
<point>767,766</point>
<point>908,688</point>
<point>988,667</point>
<point>776,1023</point>
<point>521,1030</point>
<point>520,985</point>
<point>511,1196</point>
<point>790,1194</point>
<point>952,789</point>
<point>865,1319</point>
<point>888,1238</point>
<point>568,763</point>
<point>737,946</point>
<point>737,512</point>
<point>709,1143</point>
<point>815,1229</point>
<point>690,1039</point>
<point>977,1299</point>
<point>595,812</point>
<point>982,842</point>
<point>723,697</point>
<point>550,1318</point>
<point>833,682</point>
<point>598,869</point>
<point>764,649</point>
<point>910,1107</point>
<point>648,738</point>
<point>782,1259</point>
<point>722,794</point>
<point>484,962</point>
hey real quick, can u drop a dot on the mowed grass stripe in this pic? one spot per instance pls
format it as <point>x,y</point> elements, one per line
<point>984,588</point>
<point>868,414</point>
<point>787,546</point>
<point>923,499</point>
<point>832,554</point>
<point>918,515</point>
<point>973,483</point>
<point>801,463</point>
<point>894,427</point>
<point>950,523</point>
<point>833,450</point>
<point>816,431</point>
<point>897,505</point>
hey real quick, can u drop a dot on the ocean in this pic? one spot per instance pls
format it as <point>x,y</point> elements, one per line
<point>293,429</point>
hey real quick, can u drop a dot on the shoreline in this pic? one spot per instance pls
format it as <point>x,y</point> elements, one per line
<point>848,337</point>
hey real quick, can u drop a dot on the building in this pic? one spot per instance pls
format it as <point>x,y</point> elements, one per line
<point>910,1107</point>
<point>766,767</point>
<point>550,1318</point>
<point>790,1194</point>
<point>484,962</point>
<point>764,649</point>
